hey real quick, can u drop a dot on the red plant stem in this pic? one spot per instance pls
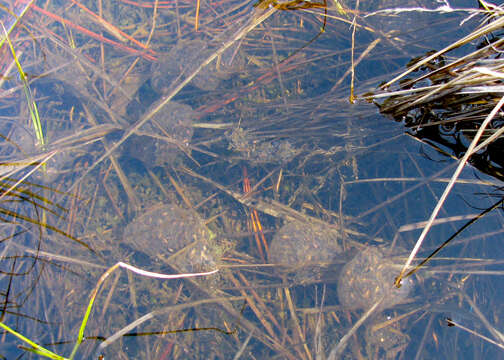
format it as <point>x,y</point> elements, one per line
<point>255,223</point>
<point>109,25</point>
<point>94,35</point>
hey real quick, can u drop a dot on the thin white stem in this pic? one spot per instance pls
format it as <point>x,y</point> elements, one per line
<point>164,276</point>
<point>448,188</point>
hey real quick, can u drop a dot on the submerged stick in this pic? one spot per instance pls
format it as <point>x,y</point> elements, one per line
<point>338,349</point>
<point>452,323</point>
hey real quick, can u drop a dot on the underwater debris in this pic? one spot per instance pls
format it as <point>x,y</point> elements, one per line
<point>260,151</point>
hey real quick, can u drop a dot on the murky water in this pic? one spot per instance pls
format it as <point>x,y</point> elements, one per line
<point>234,147</point>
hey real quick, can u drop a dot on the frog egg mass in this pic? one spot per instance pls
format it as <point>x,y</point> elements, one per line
<point>369,278</point>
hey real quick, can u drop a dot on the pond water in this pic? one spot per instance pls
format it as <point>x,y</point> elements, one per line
<point>234,146</point>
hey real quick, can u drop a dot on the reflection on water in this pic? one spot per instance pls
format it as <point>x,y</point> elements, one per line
<point>260,144</point>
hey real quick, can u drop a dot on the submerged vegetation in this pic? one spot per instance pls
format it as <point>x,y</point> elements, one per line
<point>231,140</point>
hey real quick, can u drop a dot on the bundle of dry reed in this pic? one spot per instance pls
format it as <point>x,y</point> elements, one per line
<point>449,97</point>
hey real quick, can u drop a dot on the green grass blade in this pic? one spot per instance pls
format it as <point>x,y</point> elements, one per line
<point>32,105</point>
<point>80,337</point>
<point>17,17</point>
<point>35,347</point>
